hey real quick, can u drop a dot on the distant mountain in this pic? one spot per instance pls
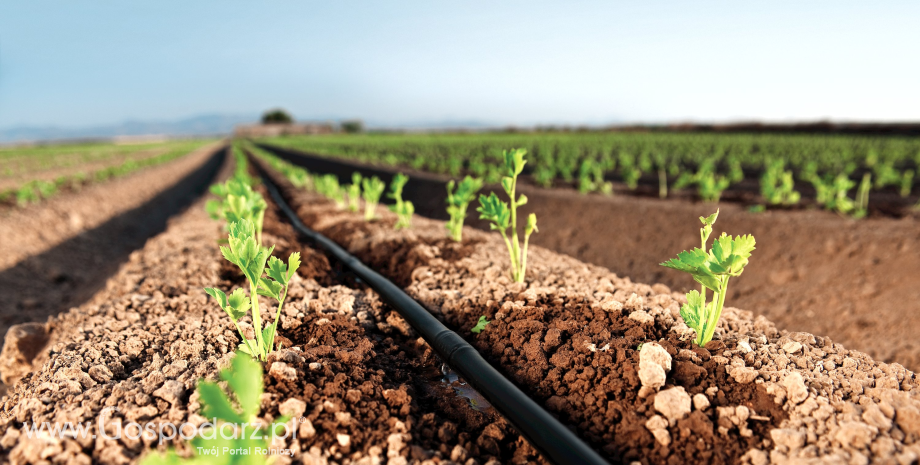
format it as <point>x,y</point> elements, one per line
<point>217,124</point>
<point>198,125</point>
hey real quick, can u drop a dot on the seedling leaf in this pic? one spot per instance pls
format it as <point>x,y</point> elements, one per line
<point>215,403</point>
<point>457,204</point>
<point>711,219</point>
<point>727,258</point>
<point>218,295</point>
<point>269,288</point>
<point>494,210</point>
<point>480,325</point>
<point>293,265</point>
<point>531,224</point>
<point>693,311</point>
<point>278,271</point>
<point>237,304</point>
<point>244,376</point>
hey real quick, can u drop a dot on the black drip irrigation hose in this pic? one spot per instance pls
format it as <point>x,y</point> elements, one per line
<point>557,443</point>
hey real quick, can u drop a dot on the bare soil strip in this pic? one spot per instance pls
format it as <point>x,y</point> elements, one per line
<point>53,172</point>
<point>362,387</point>
<point>857,282</point>
<point>36,228</point>
<point>570,335</point>
<point>77,241</point>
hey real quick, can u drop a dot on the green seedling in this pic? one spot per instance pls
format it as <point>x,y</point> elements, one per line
<point>239,407</point>
<point>886,175</point>
<point>251,257</point>
<point>630,171</point>
<point>35,191</point>
<point>862,196</point>
<point>711,186</point>
<point>832,194</point>
<point>328,186</point>
<point>502,217</point>
<point>354,192</point>
<point>299,177</point>
<point>480,325</point>
<point>566,161</point>
<point>735,171</point>
<point>403,208</point>
<point>544,174</point>
<point>712,270</point>
<point>238,202</point>
<point>777,185</point>
<point>27,194</point>
<point>373,189</point>
<point>458,202</point>
<point>46,189</point>
<point>478,166</point>
<point>241,171</point>
<point>591,178</point>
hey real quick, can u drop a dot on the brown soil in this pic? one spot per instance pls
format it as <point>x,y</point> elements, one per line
<point>34,229</point>
<point>569,337</point>
<point>58,254</point>
<point>361,386</point>
<point>855,281</point>
<point>361,356</point>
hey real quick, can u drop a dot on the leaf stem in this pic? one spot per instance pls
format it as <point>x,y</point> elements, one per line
<point>719,302</point>
<point>257,319</point>
<point>277,318</point>
<point>510,252</point>
<point>524,257</point>
<point>516,251</point>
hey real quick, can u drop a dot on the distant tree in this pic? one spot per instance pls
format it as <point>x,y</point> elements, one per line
<point>352,126</point>
<point>277,116</point>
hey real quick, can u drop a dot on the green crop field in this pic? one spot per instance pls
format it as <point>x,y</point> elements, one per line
<point>836,167</point>
<point>31,174</point>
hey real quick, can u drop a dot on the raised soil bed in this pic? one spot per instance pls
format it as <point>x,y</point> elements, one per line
<point>362,387</point>
<point>57,254</point>
<point>813,270</point>
<point>569,336</point>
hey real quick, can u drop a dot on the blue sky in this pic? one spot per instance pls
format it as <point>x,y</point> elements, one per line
<point>78,63</point>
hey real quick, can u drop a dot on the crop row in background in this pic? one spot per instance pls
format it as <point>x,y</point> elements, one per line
<point>838,171</point>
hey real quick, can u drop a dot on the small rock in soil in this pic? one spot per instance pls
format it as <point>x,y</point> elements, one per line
<point>20,346</point>
<point>658,426</point>
<point>743,375</point>
<point>673,403</point>
<point>795,387</point>
<point>700,402</point>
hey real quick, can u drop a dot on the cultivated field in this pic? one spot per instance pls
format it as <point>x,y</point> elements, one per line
<point>320,291</point>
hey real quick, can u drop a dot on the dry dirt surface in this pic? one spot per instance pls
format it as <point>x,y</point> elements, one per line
<point>57,254</point>
<point>53,172</point>
<point>857,282</point>
<point>362,387</point>
<point>614,360</point>
<point>36,228</point>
